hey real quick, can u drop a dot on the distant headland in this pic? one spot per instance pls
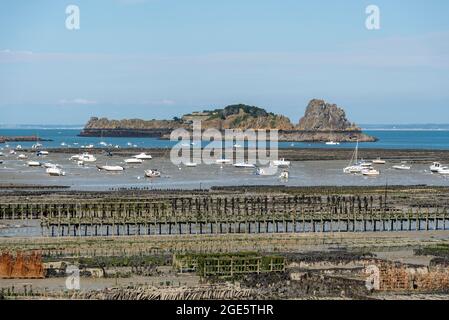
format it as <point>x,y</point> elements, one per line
<point>4,139</point>
<point>321,122</point>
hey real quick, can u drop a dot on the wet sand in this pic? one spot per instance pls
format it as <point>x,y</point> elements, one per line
<point>302,173</point>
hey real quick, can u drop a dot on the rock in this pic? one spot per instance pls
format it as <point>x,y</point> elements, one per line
<point>322,116</point>
<point>322,122</point>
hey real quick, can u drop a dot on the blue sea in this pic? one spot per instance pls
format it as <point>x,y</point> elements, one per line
<point>388,139</point>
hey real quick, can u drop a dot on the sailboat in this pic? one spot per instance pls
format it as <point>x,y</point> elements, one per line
<point>353,166</point>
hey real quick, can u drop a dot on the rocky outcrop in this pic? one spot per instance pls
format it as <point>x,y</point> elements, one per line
<point>322,116</point>
<point>322,122</point>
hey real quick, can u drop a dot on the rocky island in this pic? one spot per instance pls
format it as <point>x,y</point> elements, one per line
<point>321,122</point>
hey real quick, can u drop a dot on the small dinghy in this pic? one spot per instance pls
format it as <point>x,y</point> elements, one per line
<point>143,156</point>
<point>379,161</point>
<point>56,172</point>
<point>371,172</point>
<point>133,161</point>
<point>191,164</point>
<point>51,165</point>
<point>284,175</point>
<point>282,163</point>
<point>110,168</point>
<point>223,161</point>
<point>34,164</point>
<point>152,173</point>
<point>402,167</point>
<point>244,165</point>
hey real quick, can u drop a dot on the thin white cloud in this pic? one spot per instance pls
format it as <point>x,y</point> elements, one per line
<point>163,102</point>
<point>426,50</point>
<point>77,101</point>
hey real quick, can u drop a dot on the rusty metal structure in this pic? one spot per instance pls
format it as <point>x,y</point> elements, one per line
<point>21,266</point>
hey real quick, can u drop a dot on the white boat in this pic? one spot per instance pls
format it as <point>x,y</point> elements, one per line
<point>22,156</point>
<point>143,156</point>
<point>353,169</point>
<point>365,164</point>
<point>237,146</point>
<point>51,165</point>
<point>12,152</point>
<point>269,171</point>
<point>133,161</point>
<point>284,174</point>
<point>152,173</point>
<point>111,168</point>
<point>223,161</point>
<point>244,165</point>
<point>402,167</point>
<point>379,161</point>
<point>34,164</point>
<point>190,164</point>
<point>435,167</point>
<point>102,143</point>
<point>371,172</point>
<point>36,146</point>
<point>85,157</point>
<point>90,146</point>
<point>353,166</point>
<point>281,163</point>
<point>42,153</point>
<point>57,172</point>
<point>63,144</point>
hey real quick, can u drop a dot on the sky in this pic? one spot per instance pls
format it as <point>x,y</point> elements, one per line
<point>163,58</point>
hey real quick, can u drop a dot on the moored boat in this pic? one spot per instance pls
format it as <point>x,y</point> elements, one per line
<point>284,175</point>
<point>85,157</point>
<point>353,166</point>
<point>371,172</point>
<point>223,161</point>
<point>111,168</point>
<point>436,167</point>
<point>402,167</point>
<point>152,173</point>
<point>133,161</point>
<point>54,171</point>
<point>191,164</point>
<point>282,163</point>
<point>379,161</point>
<point>143,156</point>
<point>244,165</point>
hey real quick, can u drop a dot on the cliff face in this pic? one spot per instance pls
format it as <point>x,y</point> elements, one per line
<point>322,116</point>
